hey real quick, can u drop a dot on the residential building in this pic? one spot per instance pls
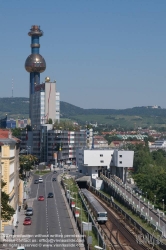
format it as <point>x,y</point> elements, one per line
<point>99,141</point>
<point>159,144</point>
<point>45,104</point>
<point>46,141</point>
<point>9,157</point>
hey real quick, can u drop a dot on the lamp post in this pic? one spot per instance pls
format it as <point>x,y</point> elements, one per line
<point>154,199</point>
<point>125,189</point>
<point>139,200</point>
<point>148,208</point>
<point>131,194</point>
<point>163,204</point>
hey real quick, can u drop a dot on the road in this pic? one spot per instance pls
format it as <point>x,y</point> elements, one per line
<point>50,223</point>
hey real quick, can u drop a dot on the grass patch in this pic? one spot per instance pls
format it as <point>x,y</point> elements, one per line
<point>42,172</point>
<point>71,185</point>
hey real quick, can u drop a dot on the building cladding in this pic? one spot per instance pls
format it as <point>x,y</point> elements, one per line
<point>46,104</point>
<point>47,141</point>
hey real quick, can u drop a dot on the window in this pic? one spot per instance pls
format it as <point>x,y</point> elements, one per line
<point>95,170</point>
<point>101,155</point>
<point>111,155</point>
<point>120,156</point>
<point>112,161</point>
<point>120,162</point>
<point>102,161</point>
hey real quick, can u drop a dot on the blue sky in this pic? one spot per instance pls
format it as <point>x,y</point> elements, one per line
<point>103,54</point>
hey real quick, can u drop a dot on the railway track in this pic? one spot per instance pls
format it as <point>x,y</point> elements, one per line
<point>118,235</point>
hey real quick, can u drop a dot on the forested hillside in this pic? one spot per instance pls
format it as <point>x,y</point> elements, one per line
<point>137,116</point>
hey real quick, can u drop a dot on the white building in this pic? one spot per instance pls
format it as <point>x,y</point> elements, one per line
<point>45,104</point>
<point>159,144</point>
<point>91,162</point>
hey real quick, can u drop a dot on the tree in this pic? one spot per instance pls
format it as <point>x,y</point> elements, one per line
<point>16,132</point>
<point>6,210</point>
<point>50,121</point>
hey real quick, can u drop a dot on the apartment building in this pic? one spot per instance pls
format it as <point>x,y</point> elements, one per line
<point>9,158</point>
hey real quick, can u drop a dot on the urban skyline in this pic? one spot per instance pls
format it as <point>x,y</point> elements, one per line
<point>113,53</point>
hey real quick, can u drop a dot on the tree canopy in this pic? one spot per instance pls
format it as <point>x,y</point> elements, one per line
<point>6,210</point>
<point>150,172</point>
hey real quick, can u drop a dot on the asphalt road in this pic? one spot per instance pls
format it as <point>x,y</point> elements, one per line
<point>50,223</point>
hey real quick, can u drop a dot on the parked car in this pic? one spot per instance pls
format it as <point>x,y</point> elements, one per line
<point>27,221</point>
<point>29,211</point>
<point>53,179</point>
<point>50,195</point>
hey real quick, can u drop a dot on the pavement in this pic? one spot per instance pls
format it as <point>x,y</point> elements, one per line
<point>21,215</point>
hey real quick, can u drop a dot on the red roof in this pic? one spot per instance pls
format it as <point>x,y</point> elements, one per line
<point>5,134</point>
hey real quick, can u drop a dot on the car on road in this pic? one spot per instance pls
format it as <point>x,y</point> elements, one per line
<point>29,211</point>
<point>27,221</point>
<point>36,181</point>
<point>50,195</point>
<point>54,172</point>
<point>40,179</point>
<point>41,198</point>
<point>53,179</point>
<point>20,248</point>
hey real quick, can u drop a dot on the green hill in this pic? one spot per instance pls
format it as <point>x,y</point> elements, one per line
<point>137,116</point>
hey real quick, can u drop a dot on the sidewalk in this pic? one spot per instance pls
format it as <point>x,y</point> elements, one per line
<point>21,215</point>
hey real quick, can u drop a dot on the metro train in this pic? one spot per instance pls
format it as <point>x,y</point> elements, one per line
<point>99,212</point>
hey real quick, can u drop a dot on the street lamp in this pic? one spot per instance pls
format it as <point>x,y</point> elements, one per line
<point>163,204</point>
<point>131,194</point>
<point>139,200</point>
<point>154,199</point>
<point>148,208</point>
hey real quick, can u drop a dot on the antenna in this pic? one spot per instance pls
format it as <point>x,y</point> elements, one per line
<point>12,87</point>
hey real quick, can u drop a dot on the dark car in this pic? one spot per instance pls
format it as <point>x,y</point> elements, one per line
<point>36,182</point>
<point>54,172</point>
<point>53,179</point>
<point>50,195</point>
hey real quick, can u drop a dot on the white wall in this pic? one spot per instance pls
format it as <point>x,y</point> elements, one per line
<point>97,157</point>
<point>12,151</point>
<point>11,168</point>
<point>97,183</point>
<point>123,158</point>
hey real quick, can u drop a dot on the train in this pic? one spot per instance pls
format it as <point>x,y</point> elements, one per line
<point>99,212</point>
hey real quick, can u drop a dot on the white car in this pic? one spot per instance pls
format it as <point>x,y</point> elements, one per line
<point>40,179</point>
<point>21,248</point>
